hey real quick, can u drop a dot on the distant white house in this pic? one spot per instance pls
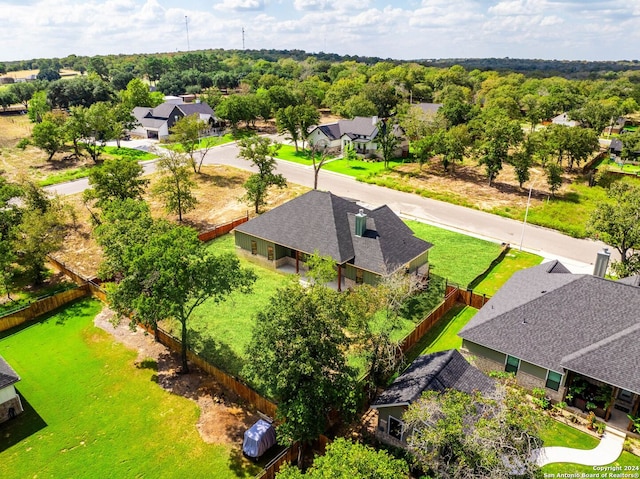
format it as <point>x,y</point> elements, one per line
<point>563,119</point>
<point>10,404</point>
<point>157,122</point>
<point>361,133</point>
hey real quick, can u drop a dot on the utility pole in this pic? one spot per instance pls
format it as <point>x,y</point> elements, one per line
<point>186,24</point>
<point>242,38</point>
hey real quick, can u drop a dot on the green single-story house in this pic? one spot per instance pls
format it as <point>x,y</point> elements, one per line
<point>576,336</point>
<point>365,244</point>
<point>431,372</point>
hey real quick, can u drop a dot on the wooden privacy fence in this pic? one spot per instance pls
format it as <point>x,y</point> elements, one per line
<point>472,299</point>
<point>42,306</point>
<point>290,455</point>
<point>222,229</point>
<point>427,323</point>
<point>229,382</point>
<point>80,280</point>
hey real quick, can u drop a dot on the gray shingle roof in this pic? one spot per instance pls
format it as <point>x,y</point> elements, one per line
<point>435,372</point>
<point>191,108</point>
<point>7,375</point>
<point>430,108</point>
<point>558,320</point>
<point>325,222</point>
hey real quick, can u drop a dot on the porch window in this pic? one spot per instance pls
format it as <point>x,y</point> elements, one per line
<point>512,365</point>
<point>553,380</point>
<point>254,247</point>
<point>396,428</point>
<point>270,253</point>
<point>359,276</point>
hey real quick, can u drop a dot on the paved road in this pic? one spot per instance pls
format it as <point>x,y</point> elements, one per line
<point>549,243</point>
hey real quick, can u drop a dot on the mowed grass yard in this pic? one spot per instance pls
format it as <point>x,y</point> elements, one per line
<point>90,413</point>
<point>221,332</point>
<point>513,261</point>
<point>560,434</point>
<point>458,258</point>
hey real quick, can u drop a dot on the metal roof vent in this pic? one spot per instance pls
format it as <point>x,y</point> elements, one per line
<point>602,263</point>
<point>361,223</point>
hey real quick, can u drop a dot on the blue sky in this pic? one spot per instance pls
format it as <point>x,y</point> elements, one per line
<point>402,29</point>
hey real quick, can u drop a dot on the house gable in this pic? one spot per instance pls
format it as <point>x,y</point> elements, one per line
<point>434,372</point>
<point>8,376</point>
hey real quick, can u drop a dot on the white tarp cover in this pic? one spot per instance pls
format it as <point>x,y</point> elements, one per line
<point>258,438</point>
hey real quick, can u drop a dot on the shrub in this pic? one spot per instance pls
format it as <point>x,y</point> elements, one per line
<point>22,144</point>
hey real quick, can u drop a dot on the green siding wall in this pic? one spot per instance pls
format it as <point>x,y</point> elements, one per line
<point>350,272</point>
<point>533,370</point>
<point>282,252</point>
<point>395,411</point>
<point>478,350</point>
<point>367,277</point>
<point>419,261</point>
<point>244,242</point>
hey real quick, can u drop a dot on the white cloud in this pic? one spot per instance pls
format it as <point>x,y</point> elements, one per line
<point>310,5</point>
<point>518,7</point>
<point>240,5</point>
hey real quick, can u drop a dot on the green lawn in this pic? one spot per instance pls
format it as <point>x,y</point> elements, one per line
<point>221,332</point>
<point>82,172</point>
<point>90,413</point>
<point>444,335</point>
<point>497,276</point>
<point>289,153</point>
<point>457,257</point>
<point>609,164</point>
<point>559,434</point>
<point>359,169</point>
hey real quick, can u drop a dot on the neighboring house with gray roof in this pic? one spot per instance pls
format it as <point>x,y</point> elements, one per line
<point>563,119</point>
<point>157,122</point>
<point>555,329</point>
<point>432,372</point>
<point>365,244</point>
<point>10,404</point>
<point>360,133</point>
<point>429,108</point>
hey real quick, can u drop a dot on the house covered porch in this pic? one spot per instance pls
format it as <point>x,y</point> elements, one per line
<point>612,404</point>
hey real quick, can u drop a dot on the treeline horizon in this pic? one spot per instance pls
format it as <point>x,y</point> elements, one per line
<point>534,67</point>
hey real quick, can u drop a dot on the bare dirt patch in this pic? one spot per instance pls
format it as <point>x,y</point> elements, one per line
<point>223,418</point>
<point>469,183</point>
<point>219,191</point>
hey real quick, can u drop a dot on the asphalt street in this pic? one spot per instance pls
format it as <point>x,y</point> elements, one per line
<point>578,254</point>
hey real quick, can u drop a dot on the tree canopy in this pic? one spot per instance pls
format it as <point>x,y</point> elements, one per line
<point>170,275</point>
<point>346,459</point>
<point>298,356</point>
<point>458,435</point>
<point>617,223</point>
<point>260,151</point>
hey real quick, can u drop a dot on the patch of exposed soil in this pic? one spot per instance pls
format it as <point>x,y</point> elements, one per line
<point>469,183</point>
<point>218,190</point>
<point>223,418</point>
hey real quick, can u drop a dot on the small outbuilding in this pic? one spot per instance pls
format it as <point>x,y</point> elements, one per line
<point>10,404</point>
<point>431,372</point>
